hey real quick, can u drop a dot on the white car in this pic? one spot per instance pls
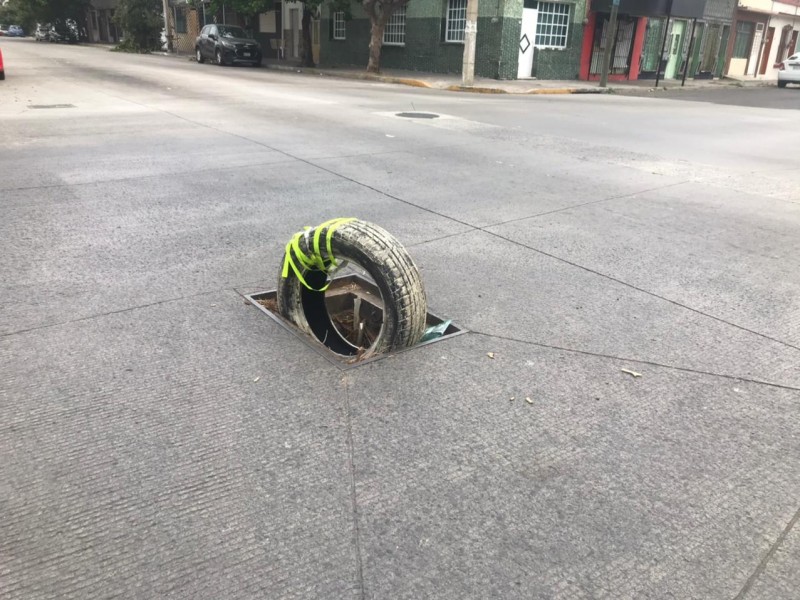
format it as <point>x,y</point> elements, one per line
<point>789,71</point>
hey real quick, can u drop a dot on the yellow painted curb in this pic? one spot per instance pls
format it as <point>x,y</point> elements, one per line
<point>411,82</point>
<point>475,90</point>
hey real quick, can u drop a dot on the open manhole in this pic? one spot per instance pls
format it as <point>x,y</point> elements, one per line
<point>417,115</point>
<point>51,106</point>
<point>354,316</point>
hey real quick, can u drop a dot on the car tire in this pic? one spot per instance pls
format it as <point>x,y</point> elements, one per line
<point>390,266</point>
<point>199,56</point>
<point>2,75</point>
<point>218,57</point>
<point>781,84</point>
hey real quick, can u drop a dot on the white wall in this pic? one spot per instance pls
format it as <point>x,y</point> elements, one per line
<point>287,7</point>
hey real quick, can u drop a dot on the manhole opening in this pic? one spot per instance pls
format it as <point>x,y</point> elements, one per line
<point>355,311</point>
<point>417,115</point>
<point>51,106</point>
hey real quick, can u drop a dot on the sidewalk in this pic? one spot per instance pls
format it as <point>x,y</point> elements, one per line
<point>483,85</point>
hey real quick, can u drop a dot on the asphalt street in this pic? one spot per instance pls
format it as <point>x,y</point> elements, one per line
<point>632,264</point>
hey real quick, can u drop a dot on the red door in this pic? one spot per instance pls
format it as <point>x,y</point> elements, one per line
<point>767,48</point>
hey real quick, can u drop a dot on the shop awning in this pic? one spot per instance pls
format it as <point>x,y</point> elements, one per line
<point>686,9</point>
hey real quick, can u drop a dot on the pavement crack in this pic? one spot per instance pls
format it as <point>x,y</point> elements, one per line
<point>311,163</point>
<point>643,291</point>
<point>353,493</point>
<point>440,238</point>
<point>748,585</point>
<point>110,312</point>
<point>141,177</point>
<point>306,161</point>
<point>590,203</point>
<point>636,360</point>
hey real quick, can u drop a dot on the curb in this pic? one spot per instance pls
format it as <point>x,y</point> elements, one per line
<point>424,84</point>
<point>419,83</point>
<point>529,92</point>
<point>345,75</point>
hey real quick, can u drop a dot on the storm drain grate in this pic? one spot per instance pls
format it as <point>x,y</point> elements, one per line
<point>51,106</point>
<point>342,294</point>
<point>417,115</point>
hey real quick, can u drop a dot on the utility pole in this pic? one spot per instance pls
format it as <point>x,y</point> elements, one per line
<point>166,25</point>
<point>470,35</point>
<point>689,53</point>
<point>611,38</point>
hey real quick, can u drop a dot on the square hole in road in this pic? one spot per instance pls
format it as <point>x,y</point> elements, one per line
<point>350,299</point>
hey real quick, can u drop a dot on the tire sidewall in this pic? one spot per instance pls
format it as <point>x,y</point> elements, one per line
<point>290,303</point>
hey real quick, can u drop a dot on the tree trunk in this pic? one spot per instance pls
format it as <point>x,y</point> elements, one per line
<point>375,44</point>
<point>308,48</point>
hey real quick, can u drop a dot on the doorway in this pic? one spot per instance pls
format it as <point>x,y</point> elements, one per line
<point>620,52</point>
<point>527,37</point>
<point>294,32</point>
<point>767,49</point>
<point>675,49</point>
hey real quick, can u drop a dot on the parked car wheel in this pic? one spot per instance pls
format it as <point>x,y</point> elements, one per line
<point>199,55</point>
<point>781,84</point>
<point>220,60</point>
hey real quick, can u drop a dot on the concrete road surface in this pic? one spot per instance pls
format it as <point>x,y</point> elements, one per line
<point>159,438</point>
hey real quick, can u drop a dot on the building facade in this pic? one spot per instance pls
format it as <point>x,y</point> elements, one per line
<point>664,39</point>
<point>764,34</point>
<point>516,38</point>
<point>100,26</point>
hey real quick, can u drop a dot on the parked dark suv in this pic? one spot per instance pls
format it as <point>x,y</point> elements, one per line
<point>226,45</point>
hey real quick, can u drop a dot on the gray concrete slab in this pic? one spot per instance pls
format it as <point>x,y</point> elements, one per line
<point>780,577</point>
<point>143,459</point>
<point>533,297</point>
<point>160,438</point>
<point>519,182</point>
<point>104,246</point>
<point>735,257</point>
<point>671,485</point>
<point>63,151</point>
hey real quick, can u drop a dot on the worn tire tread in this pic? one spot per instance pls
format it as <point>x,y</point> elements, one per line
<point>393,270</point>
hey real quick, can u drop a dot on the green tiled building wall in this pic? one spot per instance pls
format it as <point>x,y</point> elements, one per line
<point>561,64</point>
<point>425,48</point>
<point>497,47</point>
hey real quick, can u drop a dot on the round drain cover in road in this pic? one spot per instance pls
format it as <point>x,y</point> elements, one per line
<point>418,115</point>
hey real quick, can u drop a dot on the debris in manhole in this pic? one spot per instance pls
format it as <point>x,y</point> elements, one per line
<point>435,331</point>
<point>271,304</point>
<point>350,287</point>
<point>417,115</point>
<point>631,373</point>
<point>341,295</point>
